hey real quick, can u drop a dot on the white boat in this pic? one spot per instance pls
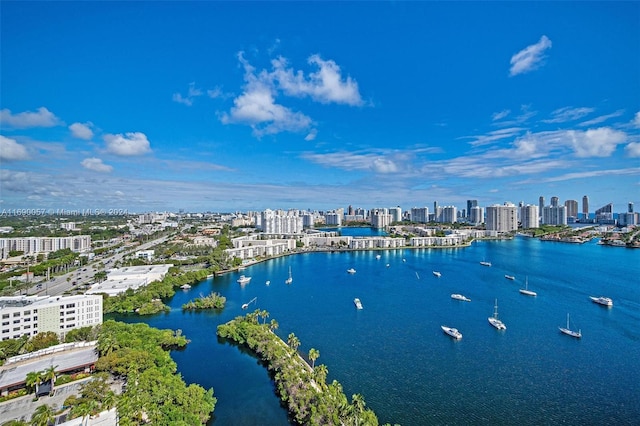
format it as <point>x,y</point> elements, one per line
<point>494,321</point>
<point>453,332</point>
<point>185,286</point>
<point>462,297</point>
<point>357,302</point>
<point>378,256</point>
<point>388,265</point>
<point>351,271</point>
<point>569,332</point>
<point>246,305</point>
<point>526,290</point>
<point>437,274</point>
<point>268,282</point>
<point>510,277</point>
<point>485,263</point>
<point>290,279</point>
<point>241,268</point>
<point>244,279</point>
<point>604,301</point>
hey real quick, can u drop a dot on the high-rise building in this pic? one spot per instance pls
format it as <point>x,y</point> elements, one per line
<point>396,214</point>
<point>572,210</point>
<point>476,216</point>
<point>554,201</point>
<point>281,222</point>
<point>380,218</point>
<point>604,215</point>
<point>449,214</point>
<point>420,214</point>
<point>585,207</point>
<point>630,207</point>
<point>540,204</point>
<point>529,216</point>
<point>471,204</point>
<point>502,218</point>
<point>554,215</point>
<point>333,218</point>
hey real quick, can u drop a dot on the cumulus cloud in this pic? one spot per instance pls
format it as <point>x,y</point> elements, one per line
<point>129,144</point>
<point>384,165</point>
<point>636,120</point>
<point>192,93</point>
<point>41,118</point>
<point>96,165</point>
<point>633,149</point>
<point>325,85</point>
<point>600,142</point>
<point>257,106</point>
<point>10,150</point>
<point>529,58</point>
<point>562,115</point>
<point>82,130</point>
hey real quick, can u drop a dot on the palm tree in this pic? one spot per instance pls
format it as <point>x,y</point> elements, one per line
<point>313,355</point>
<point>321,372</point>
<point>273,325</point>
<point>42,416</point>
<point>110,400</point>
<point>49,374</point>
<point>293,342</point>
<point>34,378</point>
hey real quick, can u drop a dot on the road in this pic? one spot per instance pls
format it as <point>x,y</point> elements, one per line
<point>83,275</point>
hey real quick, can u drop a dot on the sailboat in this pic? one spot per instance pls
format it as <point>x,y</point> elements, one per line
<point>494,321</point>
<point>290,279</point>
<point>570,332</point>
<point>526,290</point>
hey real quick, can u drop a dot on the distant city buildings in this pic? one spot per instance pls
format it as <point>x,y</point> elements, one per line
<point>37,245</point>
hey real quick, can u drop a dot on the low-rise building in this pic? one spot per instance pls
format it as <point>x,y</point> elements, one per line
<point>120,280</point>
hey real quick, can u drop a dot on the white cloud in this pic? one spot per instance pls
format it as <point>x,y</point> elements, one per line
<point>384,165</point>
<point>96,165</point>
<point>633,149</point>
<point>217,93</point>
<point>600,142</point>
<point>257,107</point>
<point>500,115</point>
<point>602,118</point>
<point>192,93</point>
<point>495,135</point>
<point>562,115</point>
<point>42,118</point>
<point>529,58</point>
<point>325,85</point>
<point>311,135</point>
<point>129,144</point>
<point>10,150</point>
<point>82,130</point>
<point>636,120</point>
<point>588,174</point>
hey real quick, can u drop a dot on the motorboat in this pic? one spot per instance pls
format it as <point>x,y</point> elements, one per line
<point>437,274</point>
<point>351,271</point>
<point>494,321</point>
<point>378,256</point>
<point>453,332</point>
<point>526,290</point>
<point>510,277</point>
<point>244,279</point>
<point>268,282</point>
<point>357,302</point>
<point>604,301</point>
<point>185,286</point>
<point>461,297</point>
<point>290,279</point>
<point>485,263</point>
<point>569,332</point>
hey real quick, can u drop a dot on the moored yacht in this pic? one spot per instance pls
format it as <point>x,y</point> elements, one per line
<point>526,290</point>
<point>485,263</point>
<point>604,301</point>
<point>453,332</point>
<point>351,271</point>
<point>510,277</point>
<point>437,274</point>
<point>494,321</point>
<point>569,332</point>
<point>185,286</point>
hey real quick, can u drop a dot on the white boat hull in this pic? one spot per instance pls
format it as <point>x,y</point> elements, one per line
<point>453,332</point>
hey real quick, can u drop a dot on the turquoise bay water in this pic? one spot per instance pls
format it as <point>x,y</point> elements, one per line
<point>395,354</point>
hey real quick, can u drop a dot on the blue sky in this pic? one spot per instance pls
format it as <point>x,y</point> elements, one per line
<point>214,106</point>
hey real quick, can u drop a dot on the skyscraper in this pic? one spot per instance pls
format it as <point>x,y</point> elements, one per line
<point>529,216</point>
<point>540,204</point>
<point>471,204</point>
<point>572,210</point>
<point>502,218</point>
<point>554,201</point>
<point>585,207</point>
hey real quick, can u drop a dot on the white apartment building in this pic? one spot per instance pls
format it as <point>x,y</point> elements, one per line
<point>502,218</point>
<point>476,215</point>
<point>376,242</point>
<point>529,216</point>
<point>554,215</point>
<point>333,219</point>
<point>30,315</point>
<point>396,214</point>
<point>272,222</point>
<point>120,280</point>
<point>380,218</point>
<point>250,247</point>
<point>449,214</point>
<point>449,240</point>
<point>420,214</point>
<point>35,245</point>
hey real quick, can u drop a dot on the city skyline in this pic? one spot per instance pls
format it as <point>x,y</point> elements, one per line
<point>217,106</point>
